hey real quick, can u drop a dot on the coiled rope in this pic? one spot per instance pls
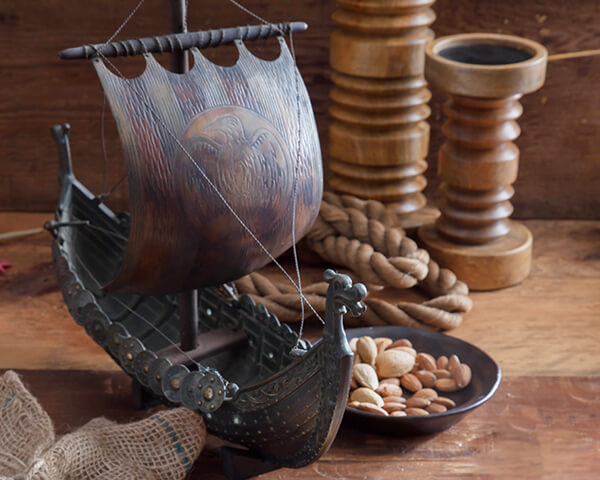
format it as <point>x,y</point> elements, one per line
<point>364,237</point>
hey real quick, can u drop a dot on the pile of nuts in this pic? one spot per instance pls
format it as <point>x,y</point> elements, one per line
<point>384,369</point>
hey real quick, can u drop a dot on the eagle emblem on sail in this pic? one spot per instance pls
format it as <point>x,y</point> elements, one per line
<point>240,151</point>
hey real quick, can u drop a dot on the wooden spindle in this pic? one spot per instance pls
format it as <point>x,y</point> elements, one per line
<point>379,137</point>
<point>485,75</point>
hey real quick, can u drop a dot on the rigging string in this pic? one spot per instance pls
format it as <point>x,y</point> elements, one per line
<point>297,166</point>
<point>132,311</point>
<point>107,193</point>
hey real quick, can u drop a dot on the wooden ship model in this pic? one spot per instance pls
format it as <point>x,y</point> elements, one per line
<point>212,167</point>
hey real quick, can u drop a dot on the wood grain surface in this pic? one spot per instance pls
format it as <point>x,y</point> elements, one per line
<point>533,428</point>
<point>560,125</point>
<point>548,325</point>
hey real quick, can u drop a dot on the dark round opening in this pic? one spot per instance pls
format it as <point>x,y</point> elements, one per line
<point>485,54</point>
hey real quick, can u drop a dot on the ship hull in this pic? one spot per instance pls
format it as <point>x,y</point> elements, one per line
<point>287,408</point>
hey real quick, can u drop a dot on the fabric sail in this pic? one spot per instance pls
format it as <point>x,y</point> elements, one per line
<point>238,125</point>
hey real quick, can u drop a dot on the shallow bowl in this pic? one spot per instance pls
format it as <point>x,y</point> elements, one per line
<point>485,380</point>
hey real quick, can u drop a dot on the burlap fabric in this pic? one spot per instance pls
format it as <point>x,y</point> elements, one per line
<point>162,447</point>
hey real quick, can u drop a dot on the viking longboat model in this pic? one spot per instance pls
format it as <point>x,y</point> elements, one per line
<point>129,279</point>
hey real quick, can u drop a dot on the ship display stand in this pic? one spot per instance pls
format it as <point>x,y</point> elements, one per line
<point>151,297</point>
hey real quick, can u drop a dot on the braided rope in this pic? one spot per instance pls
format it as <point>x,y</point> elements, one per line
<point>364,237</point>
<point>440,313</point>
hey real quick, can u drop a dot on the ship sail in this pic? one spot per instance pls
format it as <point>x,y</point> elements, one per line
<point>200,145</point>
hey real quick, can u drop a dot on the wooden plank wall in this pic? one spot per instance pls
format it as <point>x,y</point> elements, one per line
<point>560,168</point>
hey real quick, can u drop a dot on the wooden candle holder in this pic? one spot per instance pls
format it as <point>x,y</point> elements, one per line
<point>378,139</point>
<point>485,75</point>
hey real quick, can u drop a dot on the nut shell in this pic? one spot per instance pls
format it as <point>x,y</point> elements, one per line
<point>388,389</point>
<point>382,343</point>
<point>369,407</point>
<point>394,363</point>
<point>403,342</point>
<point>365,376</point>
<point>367,349</point>
<point>366,395</point>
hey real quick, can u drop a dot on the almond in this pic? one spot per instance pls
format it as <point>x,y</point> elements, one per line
<point>462,375</point>
<point>392,407</point>
<point>352,344</point>
<point>403,342</point>
<point>387,390</point>
<point>366,395</point>
<point>392,381</point>
<point>416,411</point>
<point>365,375</point>
<point>353,384</point>
<point>426,361</point>
<point>356,360</point>
<point>445,401</point>
<point>366,348</point>
<point>453,362</point>
<point>353,404</point>
<point>442,362</point>
<point>418,402</point>
<point>411,382</point>
<point>409,350</point>
<point>446,385</point>
<point>442,373</point>
<point>398,413</point>
<point>429,393</point>
<point>369,407</point>
<point>426,377</point>
<point>394,363</point>
<point>394,399</point>
<point>382,343</point>
<point>436,408</point>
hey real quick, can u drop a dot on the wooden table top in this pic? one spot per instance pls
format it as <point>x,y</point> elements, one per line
<point>544,421</point>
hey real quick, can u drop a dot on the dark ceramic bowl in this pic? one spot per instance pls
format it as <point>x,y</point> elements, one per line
<point>485,380</point>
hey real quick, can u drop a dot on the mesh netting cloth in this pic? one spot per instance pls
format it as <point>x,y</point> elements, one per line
<point>162,447</point>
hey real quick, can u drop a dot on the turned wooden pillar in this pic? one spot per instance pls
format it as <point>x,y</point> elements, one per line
<point>484,75</point>
<point>378,137</point>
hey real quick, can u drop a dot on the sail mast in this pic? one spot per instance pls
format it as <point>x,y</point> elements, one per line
<point>188,300</point>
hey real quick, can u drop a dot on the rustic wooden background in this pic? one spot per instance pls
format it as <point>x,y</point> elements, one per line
<point>560,167</point>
